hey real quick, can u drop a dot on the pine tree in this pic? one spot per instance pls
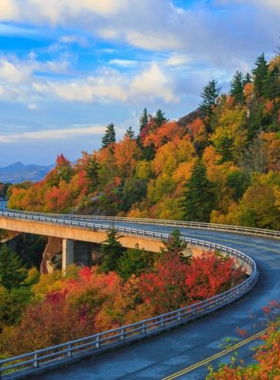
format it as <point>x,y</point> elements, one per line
<point>247,78</point>
<point>175,245</point>
<point>198,198</point>
<point>143,119</point>
<point>109,136</point>
<point>112,251</point>
<point>237,87</point>
<point>210,95</point>
<point>129,133</point>
<point>260,75</point>
<point>12,271</point>
<point>271,87</point>
<point>92,173</point>
<point>159,118</point>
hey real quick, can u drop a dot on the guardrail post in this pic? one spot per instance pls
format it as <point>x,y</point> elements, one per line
<point>122,337</point>
<point>143,330</point>
<point>36,363</point>
<point>69,352</point>
<point>97,343</point>
<point>162,323</point>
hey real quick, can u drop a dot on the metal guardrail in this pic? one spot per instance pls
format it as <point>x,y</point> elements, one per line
<point>83,347</point>
<point>161,222</point>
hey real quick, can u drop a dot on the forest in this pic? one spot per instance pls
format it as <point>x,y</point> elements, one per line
<point>218,164</point>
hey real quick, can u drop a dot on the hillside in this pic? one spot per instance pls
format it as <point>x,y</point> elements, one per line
<point>221,163</point>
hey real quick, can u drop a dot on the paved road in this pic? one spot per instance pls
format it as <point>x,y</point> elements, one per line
<point>164,355</point>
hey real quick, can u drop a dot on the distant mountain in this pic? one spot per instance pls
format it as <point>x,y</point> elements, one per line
<point>19,172</point>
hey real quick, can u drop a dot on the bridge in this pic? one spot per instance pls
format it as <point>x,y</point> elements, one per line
<point>166,354</point>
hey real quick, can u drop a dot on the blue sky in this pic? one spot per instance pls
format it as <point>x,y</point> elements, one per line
<point>70,67</point>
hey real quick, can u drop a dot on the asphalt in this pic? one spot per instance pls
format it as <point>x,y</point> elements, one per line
<point>166,354</point>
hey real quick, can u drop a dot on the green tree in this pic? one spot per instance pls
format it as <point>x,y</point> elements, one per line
<point>143,119</point>
<point>130,133</point>
<point>109,136</point>
<point>12,271</point>
<point>175,245</point>
<point>271,87</point>
<point>237,87</point>
<point>159,118</point>
<point>92,173</point>
<point>198,198</point>
<point>260,75</point>
<point>135,261</point>
<point>112,251</point>
<point>210,95</point>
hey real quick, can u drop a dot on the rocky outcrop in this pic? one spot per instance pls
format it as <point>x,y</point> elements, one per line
<point>52,256</point>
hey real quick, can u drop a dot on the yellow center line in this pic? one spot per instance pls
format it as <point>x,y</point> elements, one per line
<point>216,356</point>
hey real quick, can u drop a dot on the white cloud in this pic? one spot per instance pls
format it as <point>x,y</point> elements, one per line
<point>123,62</point>
<point>8,10</point>
<point>154,83</point>
<point>14,73</point>
<point>50,134</point>
<point>177,60</point>
<point>32,106</point>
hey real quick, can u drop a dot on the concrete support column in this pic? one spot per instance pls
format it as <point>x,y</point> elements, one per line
<point>67,253</point>
<point>83,253</point>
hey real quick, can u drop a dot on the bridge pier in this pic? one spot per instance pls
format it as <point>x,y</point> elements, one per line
<point>74,251</point>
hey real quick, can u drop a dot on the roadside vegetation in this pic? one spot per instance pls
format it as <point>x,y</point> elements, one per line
<point>129,285</point>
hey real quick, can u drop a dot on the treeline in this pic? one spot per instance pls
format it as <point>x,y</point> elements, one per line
<point>219,164</point>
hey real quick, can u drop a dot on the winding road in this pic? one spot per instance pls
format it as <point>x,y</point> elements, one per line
<point>183,353</point>
<point>173,354</point>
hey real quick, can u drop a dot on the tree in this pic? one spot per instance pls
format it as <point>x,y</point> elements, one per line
<point>198,197</point>
<point>135,261</point>
<point>237,87</point>
<point>143,119</point>
<point>210,95</point>
<point>159,118</point>
<point>112,251</point>
<point>109,136</point>
<point>92,173</point>
<point>12,271</point>
<point>175,245</point>
<point>129,133</point>
<point>260,75</point>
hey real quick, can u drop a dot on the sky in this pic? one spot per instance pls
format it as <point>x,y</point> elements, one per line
<point>68,68</point>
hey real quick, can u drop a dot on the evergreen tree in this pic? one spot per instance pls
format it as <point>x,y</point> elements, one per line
<point>143,119</point>
<point>92,173</point>
<point>198,197</point>
<point>112,251</point>
<point>247,78</point>
<point>135,261</point>
<point>129,133</point>
<point>271,88</point>
<point>159,118</point>
<point>260,75</point>
<point>176,246</point>
<point>109,136</point>
<point>237,87</point>
<point>209,95</point>
<point>12,271</point>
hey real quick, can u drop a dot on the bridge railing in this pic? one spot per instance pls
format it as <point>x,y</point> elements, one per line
<point>34,362</point>
<point>160,222</point>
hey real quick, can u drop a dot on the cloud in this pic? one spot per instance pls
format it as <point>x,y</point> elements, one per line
<point>32,107</point>
<point>14,73</point>
<point>8,10</point>
<point>154,83</point>
<point>123,62</point>
<point>50,134</point>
